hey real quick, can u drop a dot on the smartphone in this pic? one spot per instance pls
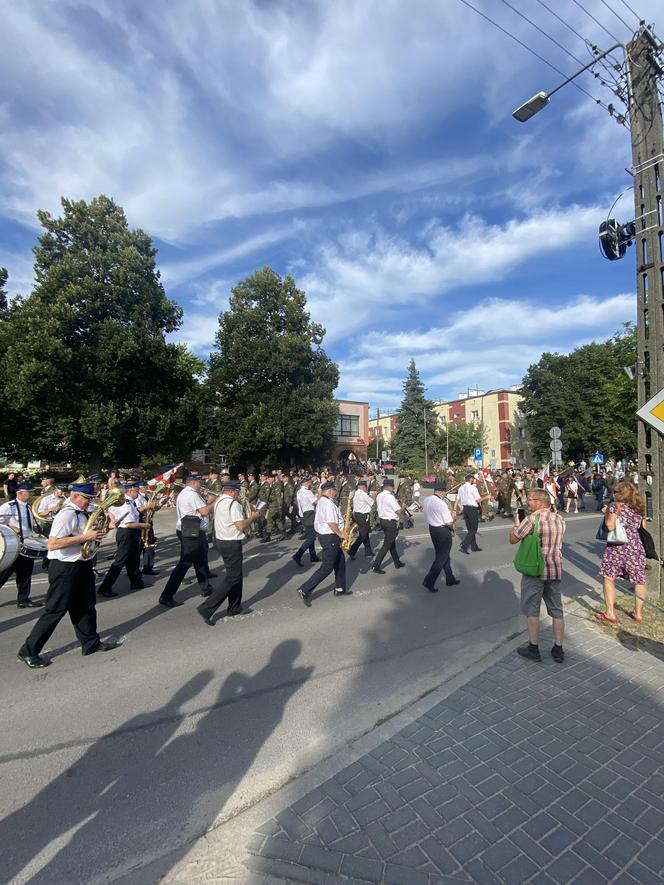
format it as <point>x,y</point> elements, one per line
<point>521,513</point>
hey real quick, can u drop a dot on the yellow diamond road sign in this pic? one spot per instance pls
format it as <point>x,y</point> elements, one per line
<point>653,412</point>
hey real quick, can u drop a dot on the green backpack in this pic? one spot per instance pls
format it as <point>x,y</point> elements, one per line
<point>529,559</point>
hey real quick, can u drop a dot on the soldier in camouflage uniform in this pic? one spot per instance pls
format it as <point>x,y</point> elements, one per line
<point>343,493</point>
<point>403,495</point>
<point>275,508</point>
<point>289,498</point>
<point>263,501</point>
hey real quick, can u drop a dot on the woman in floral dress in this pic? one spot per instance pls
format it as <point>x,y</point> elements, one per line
<point>625,560</point>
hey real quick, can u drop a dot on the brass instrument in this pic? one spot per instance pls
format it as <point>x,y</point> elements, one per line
<point>148,515</point>
<point>38,517</point>
<point>351,528</point>
<point>99,521</point>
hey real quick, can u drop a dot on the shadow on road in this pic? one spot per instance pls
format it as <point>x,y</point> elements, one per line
<point>132,795</point>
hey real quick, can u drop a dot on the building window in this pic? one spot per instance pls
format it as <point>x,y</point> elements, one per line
<point>348,425</point>
<point>443,420</point>
<point>493,453</point>
<point>474,415</point>
<point>522,454</point>
<point>522,432</point>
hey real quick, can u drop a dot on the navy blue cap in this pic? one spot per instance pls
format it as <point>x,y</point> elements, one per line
<point>131,485</point>
<point>439,487</point>
<point>232,484</point>
<point>327,485</point>
<point>194,476</point>
<point>306,478</point>
<point>362,482</point>
<point>388,482</point>
<point>84,488</point>
<point>24,487</point>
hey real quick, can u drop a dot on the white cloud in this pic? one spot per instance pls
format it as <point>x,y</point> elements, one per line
<point>197,332</point>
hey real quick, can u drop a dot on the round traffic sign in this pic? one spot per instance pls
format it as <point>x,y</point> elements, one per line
<point>555,432</point>
<point>556,445</point>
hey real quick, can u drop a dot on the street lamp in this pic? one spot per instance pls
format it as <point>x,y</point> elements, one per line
<point>535,104</point>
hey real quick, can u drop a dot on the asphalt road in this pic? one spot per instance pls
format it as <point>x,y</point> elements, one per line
<point>112,761</point>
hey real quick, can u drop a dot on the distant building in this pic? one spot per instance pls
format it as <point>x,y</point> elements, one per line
<point>506,436</point>
<point>383,428</point>
<point>352,431</point>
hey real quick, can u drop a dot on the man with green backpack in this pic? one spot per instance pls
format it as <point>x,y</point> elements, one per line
<point>540,562</point>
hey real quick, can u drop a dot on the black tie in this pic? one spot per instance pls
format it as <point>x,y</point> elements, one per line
<point>27,513</point>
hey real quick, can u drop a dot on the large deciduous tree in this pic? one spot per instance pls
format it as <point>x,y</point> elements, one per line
<point>416,413</point>
<point>588,395</point>
<point>270,383</point>
<point>460,439</point>
<point>89,375</point>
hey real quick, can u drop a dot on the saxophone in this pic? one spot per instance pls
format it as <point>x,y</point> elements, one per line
<point>350,527</point>
<point>99,521</point>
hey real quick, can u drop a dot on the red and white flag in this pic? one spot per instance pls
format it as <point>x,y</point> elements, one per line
<point>166,476</point>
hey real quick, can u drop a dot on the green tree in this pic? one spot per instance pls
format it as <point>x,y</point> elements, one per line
<point>460,440</point>
<point>416,411</point>
<point>92,377</point>
<point>270,383</point>
<point>588,395</point>
<point>4,276</point>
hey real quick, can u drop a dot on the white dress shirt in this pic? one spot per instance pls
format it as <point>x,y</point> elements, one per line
<point>388,506</point>
<point>436,511</point>
<point>127,512</point>
<point>468,496</point>
<point>362,503</point>
<point>49,501</point>
<point>326,512</point>
<point>68,522</point>
<point>188,503</point>
<point>228,511</point>
<point>306,501</point>
<point>9,515</point>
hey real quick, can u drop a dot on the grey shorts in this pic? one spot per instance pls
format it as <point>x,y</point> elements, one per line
<point>533,590</point>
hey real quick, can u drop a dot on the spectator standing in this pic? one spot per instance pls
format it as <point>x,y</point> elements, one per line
<point>551,530</point>
<point>625,560</point>
<point>598,488</point>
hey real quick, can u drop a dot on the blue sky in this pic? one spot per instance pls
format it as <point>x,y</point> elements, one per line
<point>366,147</point>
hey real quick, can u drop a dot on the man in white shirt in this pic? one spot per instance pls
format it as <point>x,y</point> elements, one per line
<point>389,513</point>
<point>230,526</point>
<point>148,538</point>
<point>306,507</point>
<point>469,501</point>
<point>17,515</point>
<point>71,582</point>
<point>362,504</point>
<point>191,528</point>
<point>126,520</point>
<point>441,528</point>
<point>329,525</point>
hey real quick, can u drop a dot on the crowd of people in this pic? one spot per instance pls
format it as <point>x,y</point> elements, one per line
<point>335,514</point>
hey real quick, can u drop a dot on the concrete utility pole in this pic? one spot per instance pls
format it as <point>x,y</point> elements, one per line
<point>648,167</point>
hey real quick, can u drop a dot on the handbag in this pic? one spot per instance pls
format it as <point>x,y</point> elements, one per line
<point>529,559</point>
<point>648,543</point>
<point>617,536</point>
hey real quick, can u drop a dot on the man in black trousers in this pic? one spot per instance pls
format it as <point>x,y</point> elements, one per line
<point>389,513</point>
<point>469,502</point>
<point>441,527</point>
<point>126,520</point>
<point>229,533</point>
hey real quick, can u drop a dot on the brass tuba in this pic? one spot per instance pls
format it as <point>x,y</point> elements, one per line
<point>351,528</point>
<point>39,519</point>
<point>99,521</point>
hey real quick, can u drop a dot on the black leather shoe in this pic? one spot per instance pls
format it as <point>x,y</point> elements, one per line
<point>210,576</point>
<point>29,603</point>
<point>107,593</point>
<point>429,587</point>
<point>140,586</point>
<point>452,583</point>
<point>297,560</point>
<point>399,565</point>
<point>463,550</point>
<point>207,591</point>
<point>378,570</point>
<point>35,662</point>
<point>169,603</point>
<point>477,549</point>
<point>238,611</point>
<point>305,597</point>
<point>558,654</point>
<point>526,651</point>
<point>339,592</point>
<point>207,619</point>
<point>101,646</point>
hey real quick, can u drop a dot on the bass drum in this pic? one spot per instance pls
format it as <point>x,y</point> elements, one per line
<point>9,547</point>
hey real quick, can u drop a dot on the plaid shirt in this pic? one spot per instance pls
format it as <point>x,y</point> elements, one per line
<point>551,530</point>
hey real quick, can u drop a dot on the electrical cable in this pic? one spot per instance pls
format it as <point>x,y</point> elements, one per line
<point>533,52</point>
<point>590,15</point>
<point>562,21</point>
<point>637,17</point>
<point>542,31</point>
<point>620,18</point>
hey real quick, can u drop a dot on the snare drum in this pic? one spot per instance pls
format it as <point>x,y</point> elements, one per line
<point>9,547</point>
<point>34,547</point>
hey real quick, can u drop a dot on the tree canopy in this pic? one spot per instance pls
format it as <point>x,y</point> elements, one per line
<point>460,439</point>
<point>270,384</point>
<point>90,375</point>
<point>416,412</point>
<point>588,395</point>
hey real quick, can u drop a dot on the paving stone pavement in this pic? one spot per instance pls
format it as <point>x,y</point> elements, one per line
<point>530,772</point>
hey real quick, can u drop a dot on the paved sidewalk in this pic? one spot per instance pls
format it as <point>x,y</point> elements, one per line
<point>527,773</point>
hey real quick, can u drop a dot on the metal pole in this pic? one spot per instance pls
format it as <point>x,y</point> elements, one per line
<point>648,163</point>
<point>426,451</point>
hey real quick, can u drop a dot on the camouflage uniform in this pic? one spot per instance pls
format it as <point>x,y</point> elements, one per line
<point>404,496</point>
<point>275,508</point>
<point>264,497</point>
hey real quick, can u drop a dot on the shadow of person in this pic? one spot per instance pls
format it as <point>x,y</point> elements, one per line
<point>148,788</point>
<point>635,643</point>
